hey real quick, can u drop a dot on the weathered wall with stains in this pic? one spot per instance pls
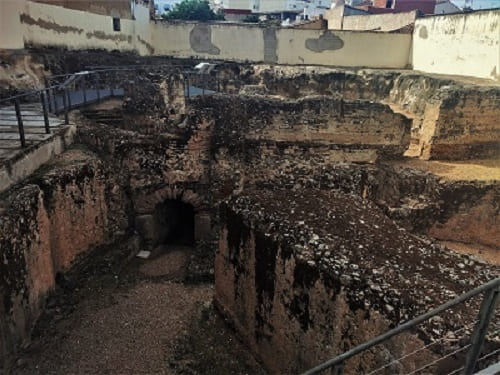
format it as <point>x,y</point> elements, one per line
<point>45,225</point>
<point>115,8</point>
<point>452,44</point>
<point>11,31</point>
<point>48,25</point>
<point>304,277</point>
<point>281,45</point>
<point>343,48</point>
<point>217,41</point>
<point>45,25</point>
<point>373,22</point>
<point>462,44</point>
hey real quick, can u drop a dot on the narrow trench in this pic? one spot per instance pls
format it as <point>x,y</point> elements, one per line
<point>141,316</point>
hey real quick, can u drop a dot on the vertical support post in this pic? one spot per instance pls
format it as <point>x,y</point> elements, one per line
<point>65,106</point>
<point>84,89</point>
<point>20,122</point>
<point>188,94</point>
<point>54,98</point>
<point>184,86</point>
<point>111,82</point>
<point>97,87</point>
<point>45,113</point>
<point>47,96</point>
<point>483,320</point>
<point>338,369</point>
<point>203,85</point>
<point>67,92</point>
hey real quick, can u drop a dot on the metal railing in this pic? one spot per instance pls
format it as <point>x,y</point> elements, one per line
<point>491,292</point>
<point>64,92</point>
<point>60,94</point>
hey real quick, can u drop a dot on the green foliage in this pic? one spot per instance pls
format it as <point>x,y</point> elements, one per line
<point>251,18</point>
<point>193,10</point>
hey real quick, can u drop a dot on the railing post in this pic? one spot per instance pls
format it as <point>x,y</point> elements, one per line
<point>84,89</point>
<point>97,88</point>
<point>45,113</point>
<point>67,91</point>
<point>20,122</point>
<point>47,93</point>
<point>65,106</point>
<point>338,369</point>
<point>49,104</point>
<point>483,320</point>
<point>54,98</point>
<point>111,90</point>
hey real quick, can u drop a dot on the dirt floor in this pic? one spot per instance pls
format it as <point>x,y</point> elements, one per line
<point>467,170</point>
<point>488,254</point>
<point>142,318</point>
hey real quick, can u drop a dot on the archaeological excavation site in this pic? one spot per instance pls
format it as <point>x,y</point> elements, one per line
<point>197,211</point>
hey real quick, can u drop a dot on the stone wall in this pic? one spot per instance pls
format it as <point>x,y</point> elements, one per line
<point>46,225</point>
<point>286,156</point>
<point>305,280</point>
<point>313,122</point>
<point>451,119</point>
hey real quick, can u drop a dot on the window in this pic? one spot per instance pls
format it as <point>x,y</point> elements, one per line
<point>116,24</point>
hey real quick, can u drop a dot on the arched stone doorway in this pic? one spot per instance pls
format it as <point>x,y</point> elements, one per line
<point>174,219</point>
<point>175,222</point>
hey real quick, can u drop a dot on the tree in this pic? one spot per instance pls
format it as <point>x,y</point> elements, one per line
<point>193,10</point>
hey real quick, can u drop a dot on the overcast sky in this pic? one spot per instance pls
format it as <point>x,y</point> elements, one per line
<point>480,4</point>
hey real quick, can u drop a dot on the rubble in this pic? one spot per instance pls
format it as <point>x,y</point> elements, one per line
<point>323,242</point>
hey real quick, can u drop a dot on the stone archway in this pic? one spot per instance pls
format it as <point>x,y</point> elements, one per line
<point>171,214</point>
<point>174,220</point>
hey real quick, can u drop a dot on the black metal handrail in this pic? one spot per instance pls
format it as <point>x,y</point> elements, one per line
<point>55,97</point>
<point>488,305</point>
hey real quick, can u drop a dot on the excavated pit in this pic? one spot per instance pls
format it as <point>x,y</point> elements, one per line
<point>291,188</point>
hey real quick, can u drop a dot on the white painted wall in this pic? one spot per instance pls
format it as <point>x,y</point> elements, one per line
<point>461,44</point>
<point>360,49</point>
<point>454,44</point>
<point>236,42</point>
<point>369,22</point>
<point>62,27</point>
<point>11,31</point>
<point>26,23</point>
<point>246,43</point>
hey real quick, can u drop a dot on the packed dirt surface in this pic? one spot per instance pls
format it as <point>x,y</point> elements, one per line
<point>137,319</point>
<point>467,170</point>
<point>488,254</point>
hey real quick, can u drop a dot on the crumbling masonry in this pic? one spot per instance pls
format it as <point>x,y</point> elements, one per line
<point>323,238</point>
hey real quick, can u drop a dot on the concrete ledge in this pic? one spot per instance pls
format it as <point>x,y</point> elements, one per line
<point>25,161</point>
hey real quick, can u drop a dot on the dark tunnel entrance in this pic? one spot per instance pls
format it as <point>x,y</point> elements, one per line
<point>175,220</point>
